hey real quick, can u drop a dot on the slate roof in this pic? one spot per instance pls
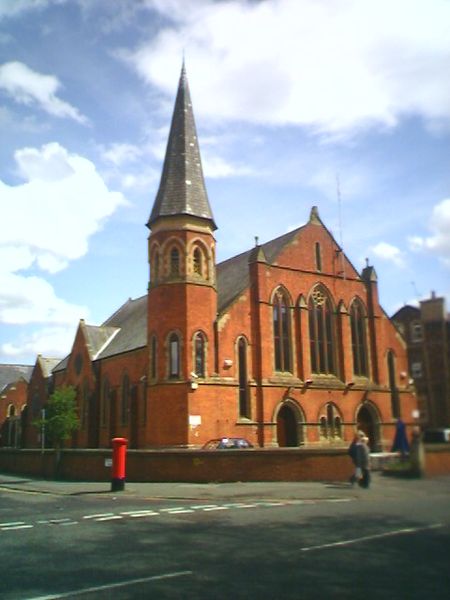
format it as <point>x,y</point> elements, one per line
<point>12,373</point>
<point>131,319</point>
<point>182,188</point>
<point>48,364</point>
<point>97,338</point>
<point>233,274</point>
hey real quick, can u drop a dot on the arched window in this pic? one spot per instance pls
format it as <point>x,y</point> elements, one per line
<point>105,403</point>
<point>198,262</point>
<point>85,407</point>
<point>156,258</point>
<point>174,356</point>
<point>174,261</point>
<point>153,357</point>
<point>321,333</point>
<point>318,256</point>
<point>244,404</point>
<point>395,400</point>
<point>281,333</point>
<point>330,422</point>
<point>199,354</point>
<point>125,400</point>
<point>359,339</point>
<point>11,411</point>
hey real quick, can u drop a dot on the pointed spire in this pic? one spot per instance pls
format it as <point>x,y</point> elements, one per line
<point>182,188</point>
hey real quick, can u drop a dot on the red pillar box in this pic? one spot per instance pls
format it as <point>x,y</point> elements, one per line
<point>118,464</point>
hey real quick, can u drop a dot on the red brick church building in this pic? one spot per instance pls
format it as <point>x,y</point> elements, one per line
<point>285,344</point>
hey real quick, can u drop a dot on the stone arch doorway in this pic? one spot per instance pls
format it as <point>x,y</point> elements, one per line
<point>287,426</point>
<point>368,421</point>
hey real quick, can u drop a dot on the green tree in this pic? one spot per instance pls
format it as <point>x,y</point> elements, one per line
<point>60,420</point>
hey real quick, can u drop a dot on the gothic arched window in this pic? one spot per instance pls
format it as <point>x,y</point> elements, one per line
<point>174,356</point>
<point>174,261</point>
<point>321,333</point>
<point>244,404</point>
<point>281,333</point>
<point>155,265</point>
<point>359,340</point>
<point>125,399</point>
<point>330,422</point>
<point>104,403</point>
<point>199,354</point>
<point>395,400</point>
<point>153,357</point>
<point>198,262</point>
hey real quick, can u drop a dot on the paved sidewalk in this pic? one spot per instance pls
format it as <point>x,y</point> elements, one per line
<point>381,487</point>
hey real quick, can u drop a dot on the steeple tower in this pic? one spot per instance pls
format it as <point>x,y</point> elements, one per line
<point>182,188</point>
<point>182,294</point>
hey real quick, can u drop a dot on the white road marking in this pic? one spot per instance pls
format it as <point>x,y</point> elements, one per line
<point>111,586</point>
<point>203,506</point>
<point>337,500</point>
<point>373,537</point>
<point>139,512</point>
<point>13,527</point>
<point>59,521</point>
<point>98,516</point>
<point>109,518</point>
<point>211,508</point>
<point>171,509</point>
<point>12,523</point>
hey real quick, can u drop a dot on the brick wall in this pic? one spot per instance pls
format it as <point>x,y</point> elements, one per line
<point>202,466</point>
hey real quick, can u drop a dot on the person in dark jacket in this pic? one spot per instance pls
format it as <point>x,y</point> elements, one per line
<point>363,459</point>
<point>356,475</point>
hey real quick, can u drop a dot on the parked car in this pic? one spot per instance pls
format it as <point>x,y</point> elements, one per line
<point>227,443</point>
<point>436,436</point>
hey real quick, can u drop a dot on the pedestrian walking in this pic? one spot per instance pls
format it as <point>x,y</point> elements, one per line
<point>363,459</point>
<point>356,475</point>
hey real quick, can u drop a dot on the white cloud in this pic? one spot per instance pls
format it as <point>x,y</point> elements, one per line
<point>28,87</point>
<point>216,167</point>
<point>54,342</point>
<point>119,154</point>
<point>389,252</point>
<point>335,66</point>
<point>439,240</point>
<point>64,200</point>
<point>46,223</point>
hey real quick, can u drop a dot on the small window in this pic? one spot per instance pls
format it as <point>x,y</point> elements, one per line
<point>197,262</point>
<point>105,402</point>
<point>199,351</point>
<point>174,356</point>
<point>318,256</point>
<point>125,400</point>
<point>155,276</point>
<point>174,261</point>
<point>416,331</point>
<point>416,370</point>
<point>153,351</point>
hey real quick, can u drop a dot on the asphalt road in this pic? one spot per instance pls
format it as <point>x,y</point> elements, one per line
<point>392,544</point>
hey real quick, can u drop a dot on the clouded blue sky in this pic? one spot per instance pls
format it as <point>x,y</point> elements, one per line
<point>288,95</point>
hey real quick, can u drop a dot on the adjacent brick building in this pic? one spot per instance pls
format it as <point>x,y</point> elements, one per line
<point>285,344</point>
<point>426,330</point>
<point>13,402</point>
